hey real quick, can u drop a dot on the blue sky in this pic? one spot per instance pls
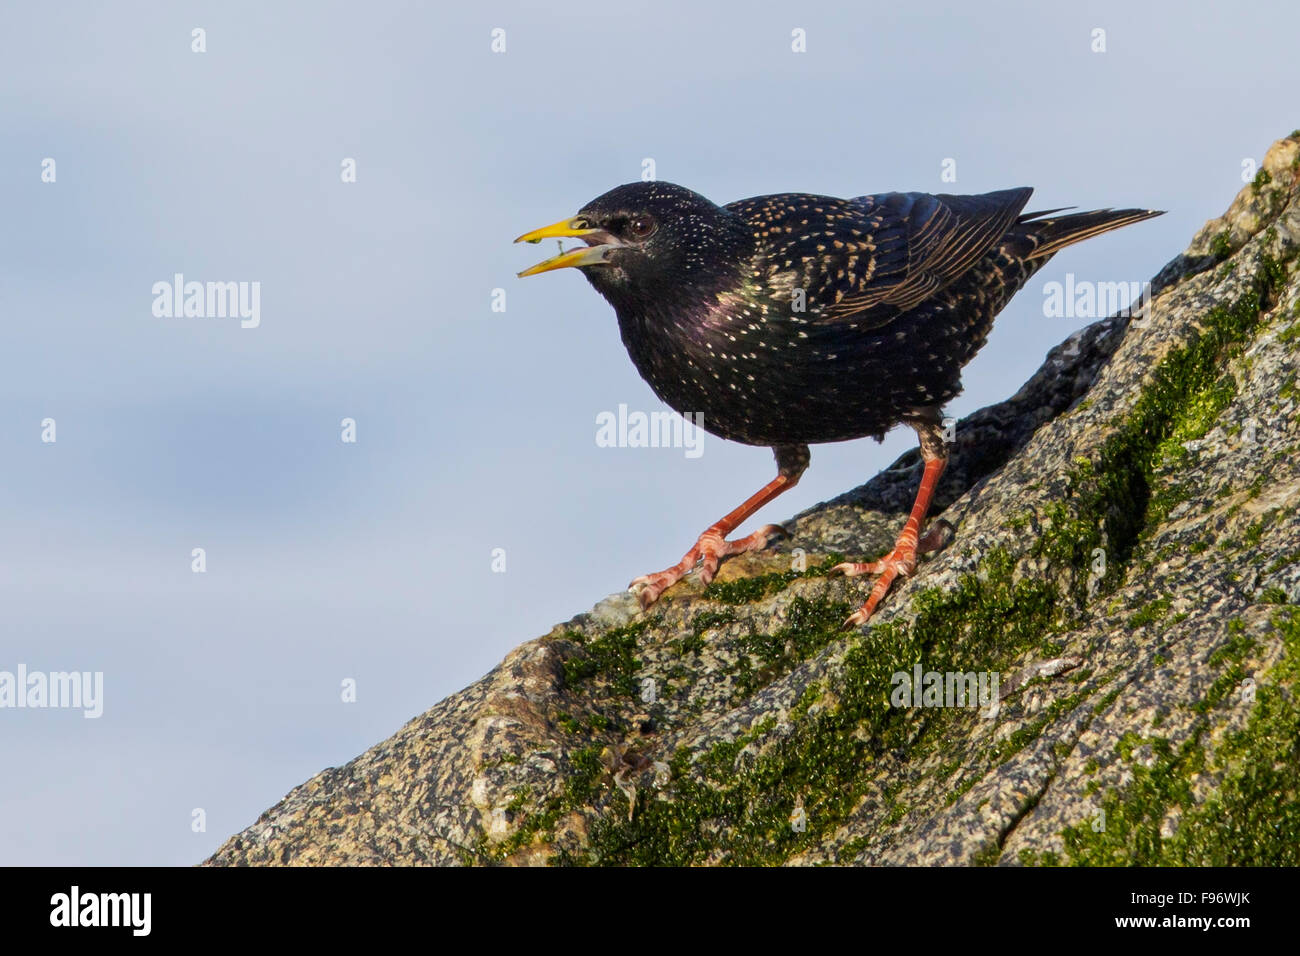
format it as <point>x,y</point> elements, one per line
<point>476,429</point>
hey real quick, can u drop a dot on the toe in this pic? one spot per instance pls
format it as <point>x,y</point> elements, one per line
<point>648,588</point>
<point>852,569</point>
<point>856,619</point>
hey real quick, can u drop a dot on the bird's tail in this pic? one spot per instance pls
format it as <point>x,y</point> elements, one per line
<point>1049,234</point>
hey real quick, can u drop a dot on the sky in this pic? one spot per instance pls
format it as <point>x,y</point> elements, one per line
<point>347,586</point>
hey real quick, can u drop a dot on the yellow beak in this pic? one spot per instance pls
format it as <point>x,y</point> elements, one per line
<point>564,229</point>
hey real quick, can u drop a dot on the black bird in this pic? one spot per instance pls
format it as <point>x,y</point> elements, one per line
<point>794,319</point>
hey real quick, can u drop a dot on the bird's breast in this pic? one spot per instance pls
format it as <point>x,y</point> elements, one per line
<point>763,377</point>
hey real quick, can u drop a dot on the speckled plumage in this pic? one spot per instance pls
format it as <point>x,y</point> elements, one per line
<point>794,319</point>
<point>899,292</point>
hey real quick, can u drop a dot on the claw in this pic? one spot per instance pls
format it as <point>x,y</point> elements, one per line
<point>899,562</point>
<point>644,597</point>
<point>707,570</point>
<point>902,560</point>
<point>856,619</point>
<point>707,552</point>
<point>648,587</point>
<point>893,566</point>
<point>851,569</point>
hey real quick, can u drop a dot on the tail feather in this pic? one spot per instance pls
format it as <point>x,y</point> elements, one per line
<point>1026,216</point>
<point>1050,235</point>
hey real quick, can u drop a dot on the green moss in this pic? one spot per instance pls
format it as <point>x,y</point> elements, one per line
<point>1221,246</point>
<point>1253,817</point>
<point>1109,498</point>
<point>1031,731</point>
<point>1255,533</point>
<point>704,621</point>
<point>1250,818</point>
<point>809,626</point>
<point>748,590</point>
<point>610,657</point>
<point>1288,390</point>
<point>1030,857</point>
<point>1127,744</point>
<point>1150,613</point>
<point>585,770</point>
<point>1283,561</point>
<point>567,722</point>
<point>987,855</point>
<point>1273,596</point>
<point>1262,179</point>
<point>1196,418</point>
<point>1102,705</point>
<point>961,789</point>
<point>811,694</point>
<point>738,811</point>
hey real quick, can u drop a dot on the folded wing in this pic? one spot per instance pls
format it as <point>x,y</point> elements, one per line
<point>868,259</point>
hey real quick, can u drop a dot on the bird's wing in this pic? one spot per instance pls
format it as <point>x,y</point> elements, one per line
<point>875,257</point>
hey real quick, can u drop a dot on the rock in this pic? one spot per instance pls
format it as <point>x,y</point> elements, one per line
<point>1126,563</point>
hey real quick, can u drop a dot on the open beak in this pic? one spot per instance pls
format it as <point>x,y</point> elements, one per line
<point>599,244</point>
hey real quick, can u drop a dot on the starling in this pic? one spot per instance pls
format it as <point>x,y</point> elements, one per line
<point>795,319</point>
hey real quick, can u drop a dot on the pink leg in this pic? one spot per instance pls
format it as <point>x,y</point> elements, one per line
<point>712,546</point>
<point>902,560</point>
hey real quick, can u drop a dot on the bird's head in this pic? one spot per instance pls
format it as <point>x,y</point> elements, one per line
<point>649,239</point>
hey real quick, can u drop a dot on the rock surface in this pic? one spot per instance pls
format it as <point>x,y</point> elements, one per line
<point>1126,561</point>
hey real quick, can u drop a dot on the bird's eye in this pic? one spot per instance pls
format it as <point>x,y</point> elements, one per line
<point>638,227</point>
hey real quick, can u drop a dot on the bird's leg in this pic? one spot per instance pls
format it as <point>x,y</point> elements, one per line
<point>902,560</point>
<point>712,546</point>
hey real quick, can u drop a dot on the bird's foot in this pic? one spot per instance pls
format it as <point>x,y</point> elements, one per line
<point>899,562</point>
<point>708,553</point>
